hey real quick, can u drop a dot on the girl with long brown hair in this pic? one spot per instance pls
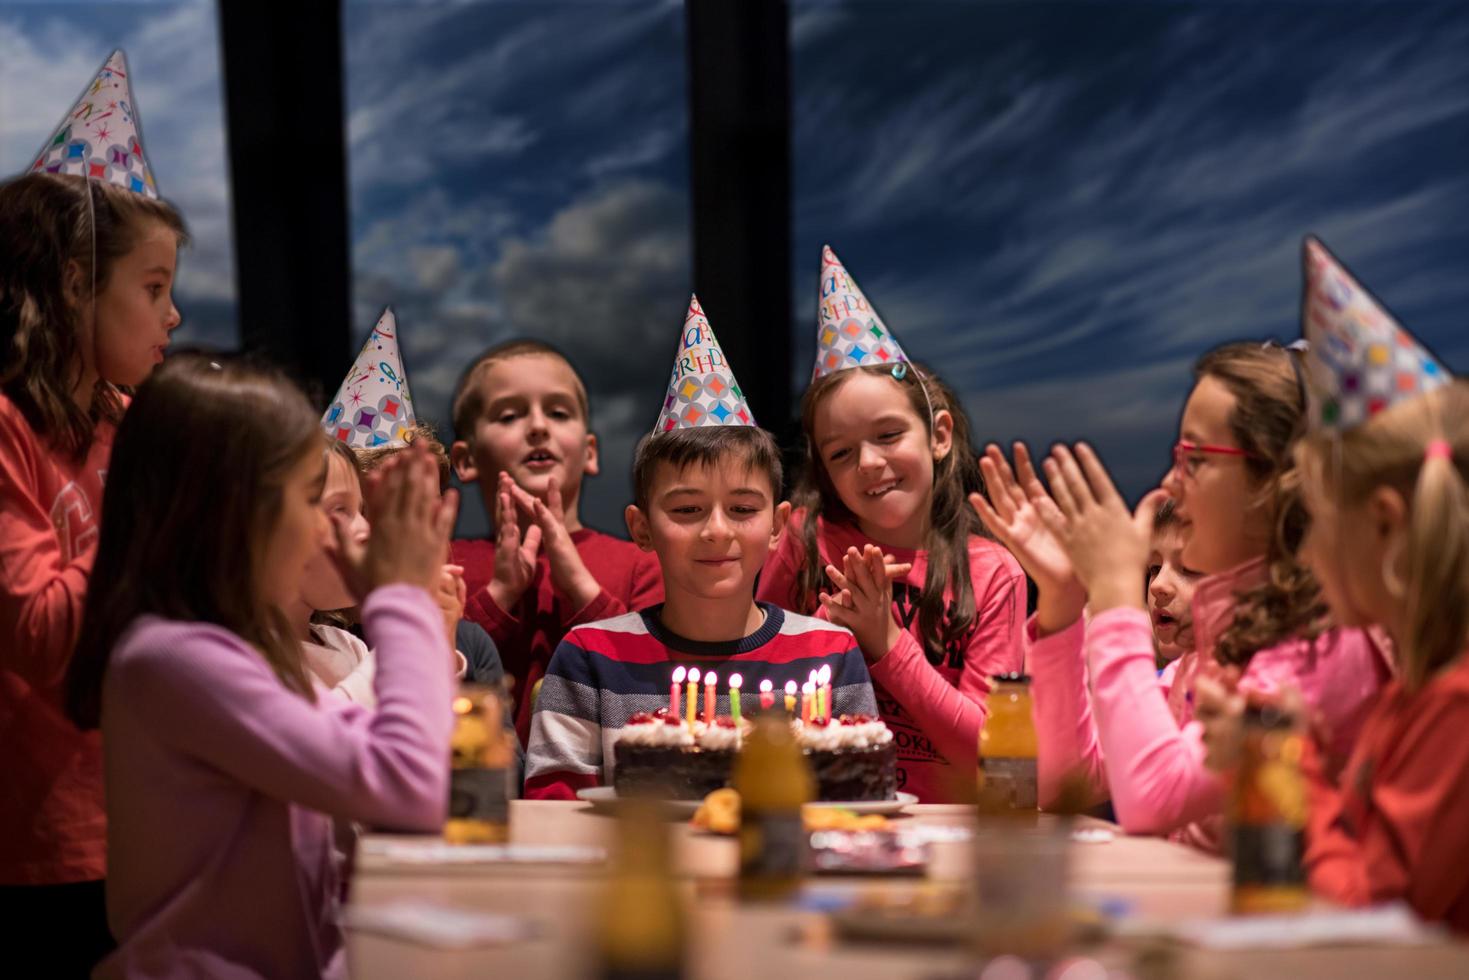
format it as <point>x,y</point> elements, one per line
<point>223,768</point>
<point>1259,611</point>
<point>889,467</point>
<point>86,269</point>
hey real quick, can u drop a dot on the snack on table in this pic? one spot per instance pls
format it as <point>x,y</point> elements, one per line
<point>720,814</point>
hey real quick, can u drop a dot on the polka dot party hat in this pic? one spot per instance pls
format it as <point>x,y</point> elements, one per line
<point>702,389</point>
<point>849,333</point>
<point>99,137</point>
<point>373,407</point>
<point>1360,360</point>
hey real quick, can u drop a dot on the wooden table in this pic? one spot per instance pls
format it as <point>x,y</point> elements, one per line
<point>1155,879</point>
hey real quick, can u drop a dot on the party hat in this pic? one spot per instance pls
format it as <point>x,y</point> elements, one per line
<point>1360,360</point>
<point>849,333</point>
<point>373,406</point>
<point>99,136</point>
<point>702,389</point>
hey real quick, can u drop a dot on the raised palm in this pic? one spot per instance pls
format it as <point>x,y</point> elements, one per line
<point>1013,516</point>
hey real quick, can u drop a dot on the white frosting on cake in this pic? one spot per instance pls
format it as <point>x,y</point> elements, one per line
<point>717,738</point>
<point>656,734</point>
<point>841,735</point>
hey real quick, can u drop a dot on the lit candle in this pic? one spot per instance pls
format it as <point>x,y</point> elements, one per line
<point>815,695</point>
<point>808,699</point>
<point>790,697</point>
<point>711,697</point>
<point>735,680</point>
<point>692,696</point>
<point>823,678</point>
<point>678,676</point>
<point>767,695</point>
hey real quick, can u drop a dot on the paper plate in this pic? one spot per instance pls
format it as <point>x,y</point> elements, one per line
<point>604,799</point>
<point>885,807</point>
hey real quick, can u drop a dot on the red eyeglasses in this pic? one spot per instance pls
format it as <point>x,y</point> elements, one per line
<point>1188,455</point>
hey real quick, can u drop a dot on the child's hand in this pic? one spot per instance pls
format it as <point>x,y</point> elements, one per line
<point>1014,518</point>
<point>1219,706</point>
<point>865,603</point>
<point>569,573</point>
<point>515,556</point>
<point>450,594</point>
<point>410,528</point>
<point>1107,546</point>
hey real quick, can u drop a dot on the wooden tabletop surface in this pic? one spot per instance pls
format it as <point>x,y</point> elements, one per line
<point>1148,878</point>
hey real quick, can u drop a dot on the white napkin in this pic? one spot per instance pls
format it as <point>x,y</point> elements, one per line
<point>431,924</point>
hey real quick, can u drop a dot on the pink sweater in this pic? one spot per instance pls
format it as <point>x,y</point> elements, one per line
<point>221,786</point>
<point>1135,734</point>
<point>934,709</point>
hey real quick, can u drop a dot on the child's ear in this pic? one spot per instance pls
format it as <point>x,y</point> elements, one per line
<point>593,463</point>
<point>942,439</point>
<point>72,285</point>
<point>1389,514</point>
<point>637,527</point>
<point>778,526</point>
<point>463,462</point>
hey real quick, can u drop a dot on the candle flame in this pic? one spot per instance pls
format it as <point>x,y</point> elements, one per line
<point>679,674</point>
<point>824,674</point>
<point>809,687</point>
<point>790,687</point>
<point>710,679</point>
<point>735,680</point>
<point>765,686</point>
<point>693,675</point>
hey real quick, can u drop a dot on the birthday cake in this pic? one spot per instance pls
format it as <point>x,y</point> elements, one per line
<point>852,757</point>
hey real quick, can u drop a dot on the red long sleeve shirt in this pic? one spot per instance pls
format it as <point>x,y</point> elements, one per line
<point>53,828</point>
<point>1397,824</point>
<point>528,634</point>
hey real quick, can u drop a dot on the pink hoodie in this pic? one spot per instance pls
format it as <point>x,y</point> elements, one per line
<point>1135,733</point>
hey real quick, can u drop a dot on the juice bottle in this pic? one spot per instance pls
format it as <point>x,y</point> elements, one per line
<point>1007,745</point>
<point>640,931</point>
<point>774,782</point>
<point>482,761</point>
<point>1267,811</point>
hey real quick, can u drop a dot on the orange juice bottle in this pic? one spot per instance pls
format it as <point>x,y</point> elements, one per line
<point>1007,745</point>
<point>1267,811</point>
<point>774,782</point>
<point>482,762</point>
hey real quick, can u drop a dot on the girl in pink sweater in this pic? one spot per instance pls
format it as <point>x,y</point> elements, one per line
<point>889,463</point>
<point>223,769</point>
<point>1102,713</point>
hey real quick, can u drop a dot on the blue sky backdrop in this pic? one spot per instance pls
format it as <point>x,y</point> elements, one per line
<point>1057,205</point>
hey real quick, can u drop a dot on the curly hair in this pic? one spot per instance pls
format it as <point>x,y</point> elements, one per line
<point>1268,417</point>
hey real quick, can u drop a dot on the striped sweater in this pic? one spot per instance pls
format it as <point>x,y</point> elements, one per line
<point>604,672</point>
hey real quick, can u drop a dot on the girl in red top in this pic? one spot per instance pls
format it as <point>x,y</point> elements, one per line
<point>86,269</point>
<point>1389,543</point>
<point>889,467</point>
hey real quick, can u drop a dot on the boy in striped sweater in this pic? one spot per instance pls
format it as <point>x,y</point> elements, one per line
<point>706,486</point>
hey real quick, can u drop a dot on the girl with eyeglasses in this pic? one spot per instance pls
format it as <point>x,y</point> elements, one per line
<point>1258,612</point>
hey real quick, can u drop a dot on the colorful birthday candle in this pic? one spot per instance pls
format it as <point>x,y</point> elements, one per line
<point>808,702</point>
<point>823,678</point>
<point>790,697</point>
<point>692,696</point>
<point>711,696</point>
<point>678,676</point>
<point>767,695</point>
<point>735,680</point>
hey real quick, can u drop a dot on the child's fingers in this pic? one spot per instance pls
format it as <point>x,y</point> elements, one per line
<point>897,570</point>
<point>836,577</point>
<point>1060,489</point>
<point>1097,476</point>
<point>443,523</point>
<point>508,533</point>
<point>987,515</point>
<point>531,546</point>
<point>1025,473</point>
<point>1075,480</point>
<point>1147,510</point>
<point>553,496</point>
<point>1002,503</point>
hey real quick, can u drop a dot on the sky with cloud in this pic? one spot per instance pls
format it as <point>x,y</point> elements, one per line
<point>1059,205</point>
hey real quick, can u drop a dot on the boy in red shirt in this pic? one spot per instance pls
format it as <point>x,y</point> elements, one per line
<point>522,427</point>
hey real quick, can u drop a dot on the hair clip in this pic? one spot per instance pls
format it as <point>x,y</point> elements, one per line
<point>1438,449</point>
<point>900,370</point>
<point>1300,346</point>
